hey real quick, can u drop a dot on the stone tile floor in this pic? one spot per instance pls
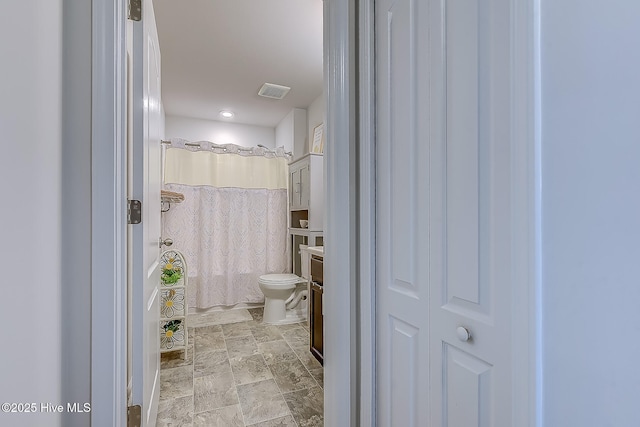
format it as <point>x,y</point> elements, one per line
<point>242,374</point>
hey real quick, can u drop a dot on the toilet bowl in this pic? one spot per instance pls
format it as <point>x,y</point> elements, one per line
<point>279,291</point>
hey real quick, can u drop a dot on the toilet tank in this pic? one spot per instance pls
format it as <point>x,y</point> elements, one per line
<point>304,261</point>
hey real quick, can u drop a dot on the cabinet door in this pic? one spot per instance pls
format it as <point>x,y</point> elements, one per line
<point>294,194</point>
<point>304,186</point>
<point>316,328</point>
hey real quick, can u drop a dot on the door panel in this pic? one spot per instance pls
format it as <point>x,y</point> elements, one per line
<point>464,147</point>
<point>466,388</point>
<point>295,189</point>
<point>404,363</point>
<point>304,186</point>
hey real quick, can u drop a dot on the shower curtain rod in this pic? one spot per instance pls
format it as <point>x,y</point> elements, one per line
<point>195,144</point>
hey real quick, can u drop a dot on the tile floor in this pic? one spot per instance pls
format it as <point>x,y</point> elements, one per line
<point>242,374</point>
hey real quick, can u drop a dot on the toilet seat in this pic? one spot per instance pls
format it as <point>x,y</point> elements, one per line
<point>279,279</point>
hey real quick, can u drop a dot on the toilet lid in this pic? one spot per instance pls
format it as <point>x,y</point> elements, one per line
<point>283,279</point>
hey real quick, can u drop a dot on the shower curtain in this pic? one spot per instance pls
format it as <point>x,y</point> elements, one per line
<point>232,225</point>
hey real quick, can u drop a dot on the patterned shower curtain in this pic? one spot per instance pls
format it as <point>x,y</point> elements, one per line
<point>232,225</point>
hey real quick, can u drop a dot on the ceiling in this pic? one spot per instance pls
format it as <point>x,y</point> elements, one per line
<point>216,54</point>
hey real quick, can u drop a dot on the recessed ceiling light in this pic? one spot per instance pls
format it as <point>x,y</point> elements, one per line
<point>226,114</point>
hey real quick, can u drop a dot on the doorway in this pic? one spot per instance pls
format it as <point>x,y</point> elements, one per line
<point>179,126</point>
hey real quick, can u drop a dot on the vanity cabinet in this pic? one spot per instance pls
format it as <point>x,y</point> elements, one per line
<point>316,312</point>
<point>316,328</point>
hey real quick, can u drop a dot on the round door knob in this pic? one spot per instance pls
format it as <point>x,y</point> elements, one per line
<point>463,333</point>
<point>166,242</point>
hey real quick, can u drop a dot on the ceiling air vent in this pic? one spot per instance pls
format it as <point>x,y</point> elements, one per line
<point>269,90</point>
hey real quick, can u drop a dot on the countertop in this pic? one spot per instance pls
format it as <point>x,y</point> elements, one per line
<point>316,250</point>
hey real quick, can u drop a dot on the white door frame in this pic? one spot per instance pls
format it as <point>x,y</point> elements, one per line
<point>108,216</point>
<point>349,236</point>
<point>341,324</point>
<point>366,215</point>
<point>526,269</point>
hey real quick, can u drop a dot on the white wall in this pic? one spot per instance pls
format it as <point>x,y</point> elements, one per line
<point>284,133</point>
<point>295,131</point>
<point>219,132</point>
<point>315,116</point>
<point>44,117</point>
<point>291,133</point>
<point>590,212</point>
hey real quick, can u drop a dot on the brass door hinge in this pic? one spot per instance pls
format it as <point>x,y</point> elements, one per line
<point>134,211</point>
<point>134,416</point>
<point>135,10</point>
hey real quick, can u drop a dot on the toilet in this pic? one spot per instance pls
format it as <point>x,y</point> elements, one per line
<point>285,295</point>
<point>282,294</point>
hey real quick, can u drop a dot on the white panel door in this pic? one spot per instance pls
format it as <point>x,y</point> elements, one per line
<point>146,187</point>
<point>402,211</point>
<point>443,213</point>
<point>470,205</point>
